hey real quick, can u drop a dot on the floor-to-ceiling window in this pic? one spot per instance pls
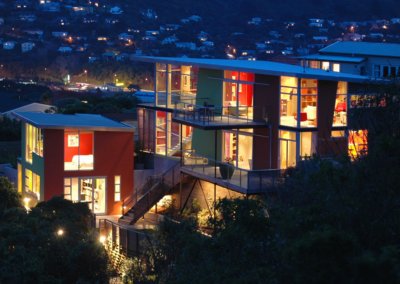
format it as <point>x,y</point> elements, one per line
<point>238,94</point>
<point>287,147</point>
<point>161,84</point>
<point>161,135</point>
<point>87,189</point>
<point>308,103</point>
<point>32,183</point>
<point>238,148</point>
<point>340,111</point>
<point>34,142</point>
<point>288,103</point>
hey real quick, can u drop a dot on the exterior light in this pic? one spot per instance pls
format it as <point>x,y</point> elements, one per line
<point>102,239</point>
<point>60,232</point>
<point>26,200</point>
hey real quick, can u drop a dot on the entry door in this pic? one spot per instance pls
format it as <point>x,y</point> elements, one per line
<point>93,191</point>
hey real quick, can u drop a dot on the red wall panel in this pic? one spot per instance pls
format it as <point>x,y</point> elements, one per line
<point>113,155</point>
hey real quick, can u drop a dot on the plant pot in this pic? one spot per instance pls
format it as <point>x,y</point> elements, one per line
<point>226,170</point>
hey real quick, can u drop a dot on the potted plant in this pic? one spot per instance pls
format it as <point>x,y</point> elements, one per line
<point>227,169</point>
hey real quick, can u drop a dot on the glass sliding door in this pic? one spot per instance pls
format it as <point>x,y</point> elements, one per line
<point>89,190</point>
<point>287,146</point>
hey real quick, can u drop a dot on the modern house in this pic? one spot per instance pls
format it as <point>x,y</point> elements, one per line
<point>83,157</point>
<point>236,124</point>
<point>376,60</point>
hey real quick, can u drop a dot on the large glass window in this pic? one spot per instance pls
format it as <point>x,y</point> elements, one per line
<point>308,106</point>
<point>238,94</point>
<point>340,111</point>
<point>78,150</point>
<point>161,139</point>
<point>308,145</point>
<point>34,142</point>
<point>287,147</point>
<point>358,143</point>
<point>238,149</point>
<point>90,190</point>
<point>288,105</point>
<point>32,183</point>
<point>161,84</point>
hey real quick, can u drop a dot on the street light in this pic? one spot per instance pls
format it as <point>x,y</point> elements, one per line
<point>60,232</point>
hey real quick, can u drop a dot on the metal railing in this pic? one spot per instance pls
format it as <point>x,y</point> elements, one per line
<point>243,180</point>
<point>206,114</point>
<point>122,239</point>
<point>152,190</point>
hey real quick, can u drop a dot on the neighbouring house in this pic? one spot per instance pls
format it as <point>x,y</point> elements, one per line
<point>376,60</point>
<point>27,46</point>
<point>9,45</point>
<point>116,10</point>
<point>235,125</point>
<point>64,49</point>
<point>82,157</point>
<point>32,107</point>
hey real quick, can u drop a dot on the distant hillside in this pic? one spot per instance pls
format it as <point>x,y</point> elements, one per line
<point>242,10</point>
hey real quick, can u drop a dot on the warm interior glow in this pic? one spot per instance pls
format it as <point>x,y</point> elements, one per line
<point>33,142</point>
<point>238,95</point>
<point>78,150</point>
<point>358,143</point>
<point>60,232</point>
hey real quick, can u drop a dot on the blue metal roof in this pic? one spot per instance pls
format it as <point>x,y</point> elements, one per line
<point>257,67</point>
<point>333,58</point>
<point>74,121</point>
<point>357,48</point>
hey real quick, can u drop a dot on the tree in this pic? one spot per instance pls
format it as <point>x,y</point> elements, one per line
<point>52,244</point>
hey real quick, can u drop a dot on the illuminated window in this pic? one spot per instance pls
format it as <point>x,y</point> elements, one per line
<point>358,143</point>
<point>340,111</point>
<point>336,67</point>
<point>287,149</point>
<point>117,188</point>
<point>78,150</point>
<point>314,64</point>
<point>32,183</point>
<point>288,107</point>
<point>34,142</point>
<point>238,94</point>
<point>308,104</point>
<point>308,142</point>
<point>325,65</point>
<point>337,134</point>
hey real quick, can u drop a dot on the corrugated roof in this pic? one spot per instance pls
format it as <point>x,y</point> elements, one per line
<point>363,48</point>
<point>258,67</point>
<point>333,58</point>
<point>74,121</point>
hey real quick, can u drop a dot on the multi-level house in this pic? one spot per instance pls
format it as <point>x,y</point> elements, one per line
<point>83,157</point>
<point>376,60</point>
<point>236,124</point>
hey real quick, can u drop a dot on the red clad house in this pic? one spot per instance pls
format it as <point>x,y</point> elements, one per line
<point>83,157</point>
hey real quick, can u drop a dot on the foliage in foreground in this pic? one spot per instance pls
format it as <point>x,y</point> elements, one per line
<point>333,221</point>
<point>31,251</point>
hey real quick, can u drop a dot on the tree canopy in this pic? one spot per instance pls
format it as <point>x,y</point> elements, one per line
<point>51,244</point>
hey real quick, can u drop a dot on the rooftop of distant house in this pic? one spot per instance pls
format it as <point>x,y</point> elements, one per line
<point>344,59</point>
<point>357,48</point>
<point>72,121</point>
<point>258,67</point>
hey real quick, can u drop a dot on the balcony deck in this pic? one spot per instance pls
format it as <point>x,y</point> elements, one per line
<point>212,118</point>
<point>242,181</point>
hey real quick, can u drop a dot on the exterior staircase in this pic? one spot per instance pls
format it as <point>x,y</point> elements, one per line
<point>149,194</point>
<point>177,148</point>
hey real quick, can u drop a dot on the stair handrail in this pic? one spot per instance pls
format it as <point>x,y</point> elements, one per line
<point>147,187</point>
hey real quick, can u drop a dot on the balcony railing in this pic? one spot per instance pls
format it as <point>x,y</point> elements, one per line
<point>210,115</point>
<point>242,180</point>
